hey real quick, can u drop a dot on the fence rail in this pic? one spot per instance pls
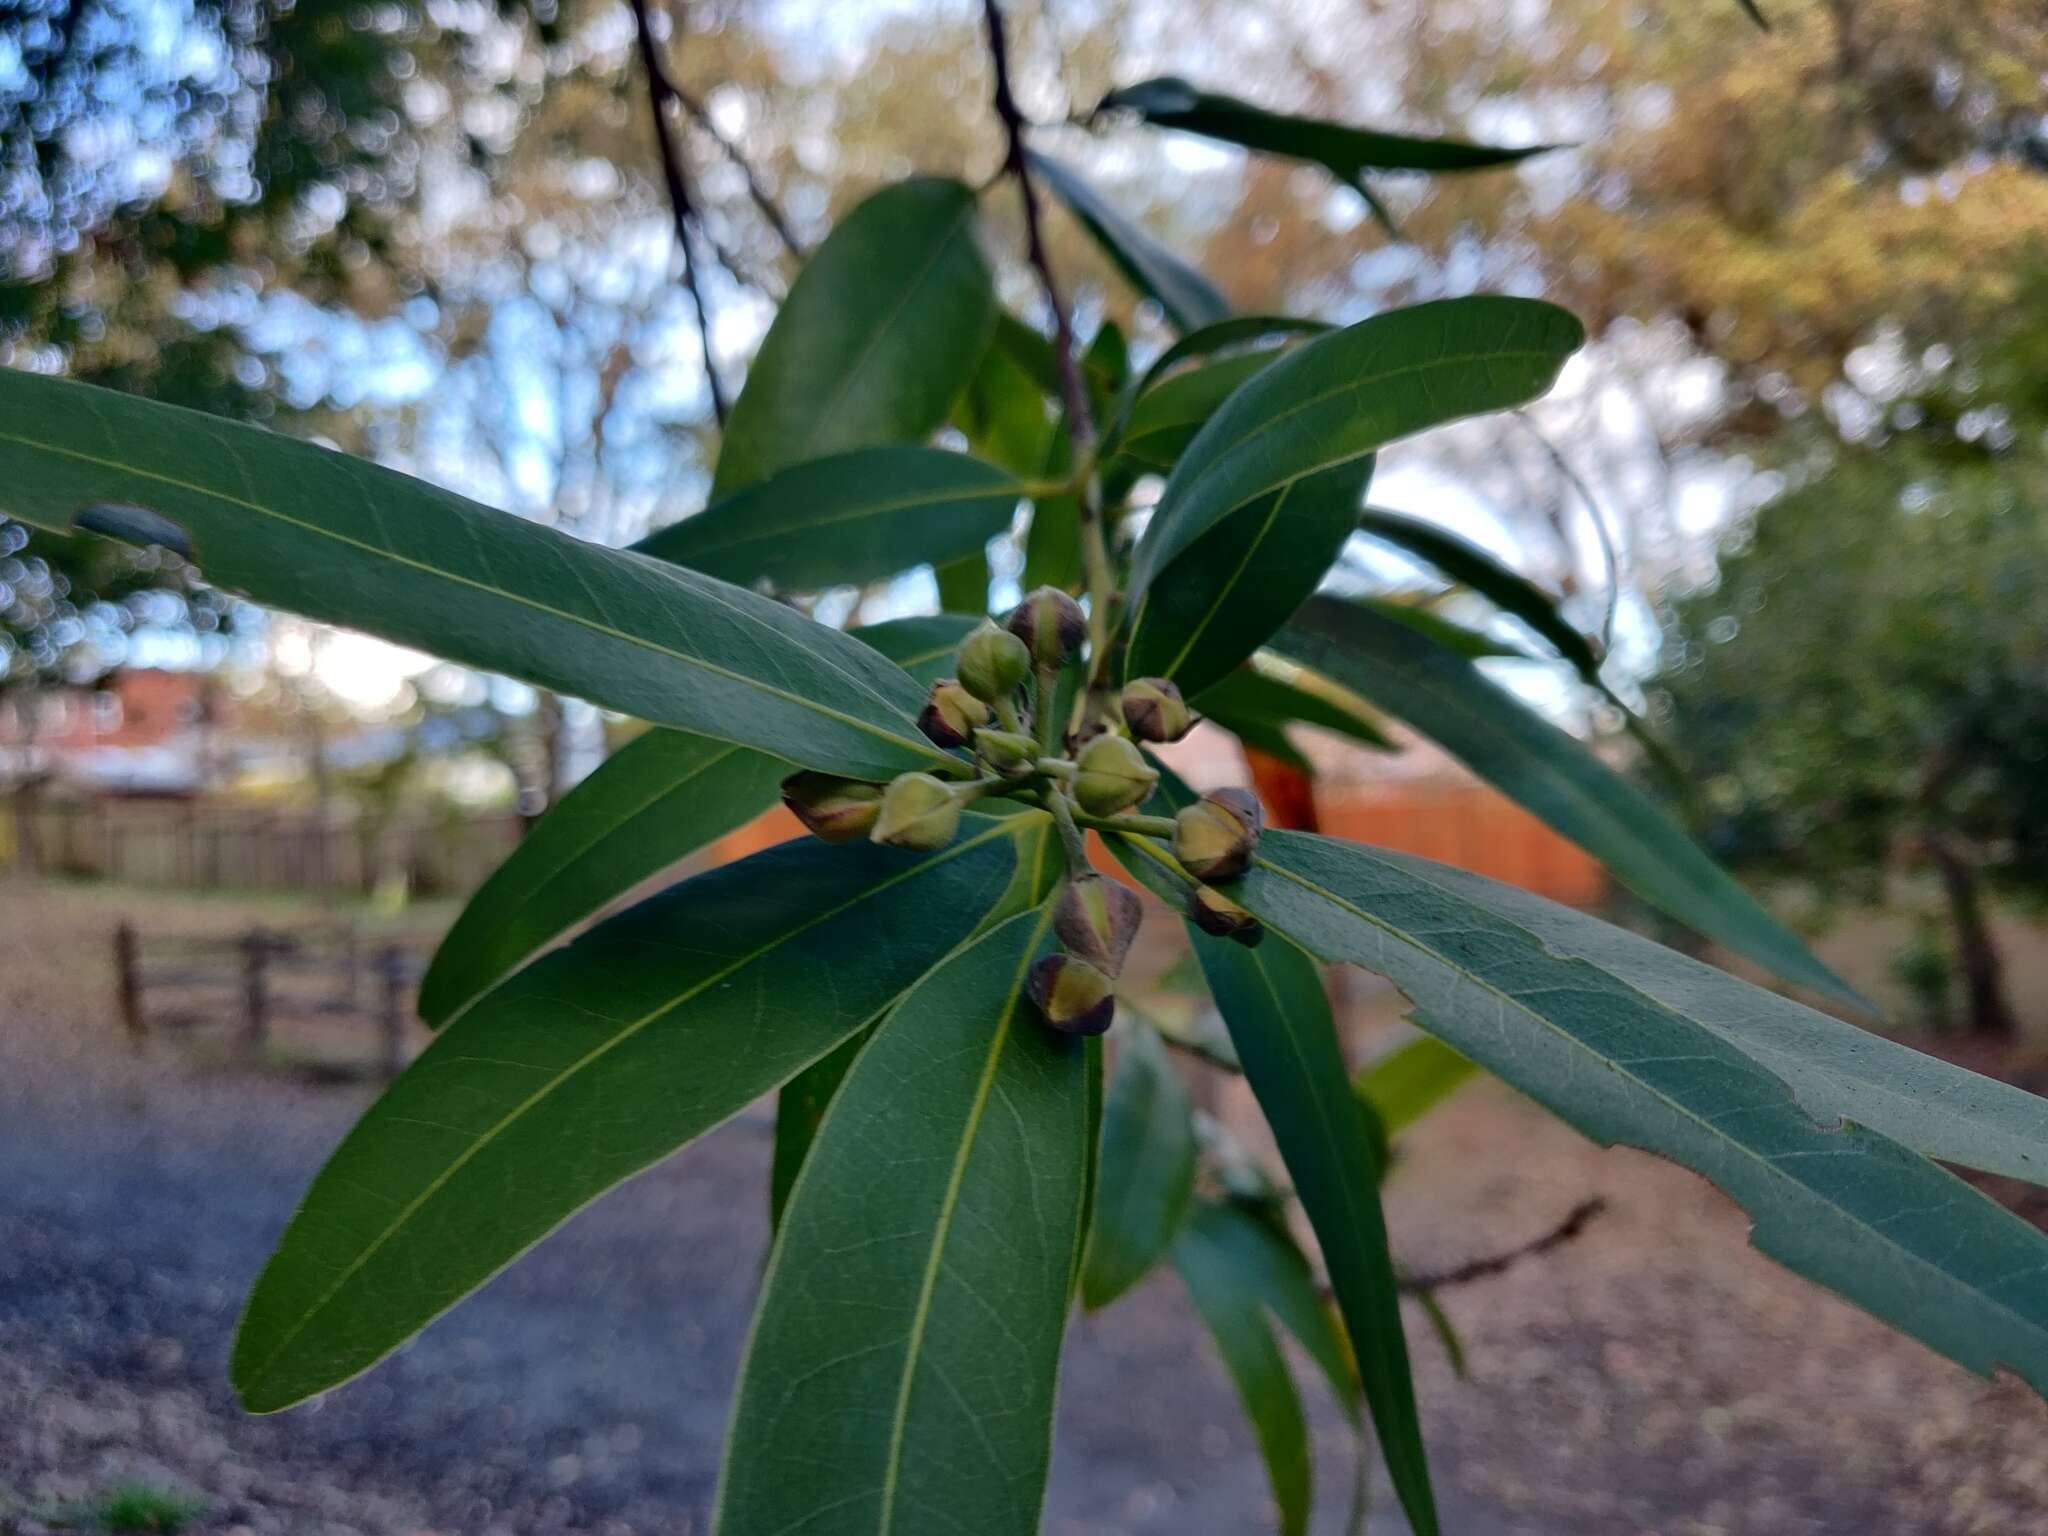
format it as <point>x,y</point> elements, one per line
<point>203,847</point>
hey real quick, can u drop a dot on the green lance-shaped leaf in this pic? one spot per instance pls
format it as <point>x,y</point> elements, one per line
<point>1224,335</point>
<point>1148,1167</point>
<point>1833,1067</point>
<point>901,1370</point>
<point>1410,613</point>
<point>1833,1200</point>
<point>1261,1250</point>
<point>879,335</point>
<point>343,540</point>
<point>1257,706</point>
<point>1166,417</point>
<point>1469,565</point>
<point>1347,152</point>
<point>593,1063</point>
<point>1272,998</point>
<point>658,799</point>
<point>1291,448</point>
<point>1412,1079</point>
<point>1189,299</point>
<point>1229,1306</point>
<point>1548,771</point>
<point>852,517</point>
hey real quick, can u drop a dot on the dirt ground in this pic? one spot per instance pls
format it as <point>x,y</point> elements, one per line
<point>1653,1377</point>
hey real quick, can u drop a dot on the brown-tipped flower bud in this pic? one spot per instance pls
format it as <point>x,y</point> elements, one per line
<point>1009,753</point>
<point>1072,995</point>
<point>836,809</point>
<point>918,811</point>
<point>1113,776</point>
<point>951,714</point>
<point>1096,920</point>
<point>1050,624</point>
<point>1155,711</point>
<point>1215,838</point>
<point>1213,912</point>
<point>992,663</point>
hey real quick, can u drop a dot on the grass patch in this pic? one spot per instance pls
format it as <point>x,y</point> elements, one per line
<point>131,1508</point>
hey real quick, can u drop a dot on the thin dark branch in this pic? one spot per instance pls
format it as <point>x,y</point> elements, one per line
<point>1484,1269</point>
<point>1073,393</point>
<point>763,200</point>
<point>661,91</point>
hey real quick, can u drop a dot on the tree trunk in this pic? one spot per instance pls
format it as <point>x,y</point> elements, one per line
<point>1983,972</point>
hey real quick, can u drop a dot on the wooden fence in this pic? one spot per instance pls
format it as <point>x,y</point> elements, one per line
<point>191,846</point>
<point>317,996</point>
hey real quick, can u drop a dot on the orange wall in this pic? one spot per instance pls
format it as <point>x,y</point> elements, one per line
<point>1467,825</point>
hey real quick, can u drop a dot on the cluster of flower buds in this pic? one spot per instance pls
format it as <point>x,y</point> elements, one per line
<point>1096,920</point>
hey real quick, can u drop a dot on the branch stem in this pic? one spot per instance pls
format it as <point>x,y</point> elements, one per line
<point>661,91</point>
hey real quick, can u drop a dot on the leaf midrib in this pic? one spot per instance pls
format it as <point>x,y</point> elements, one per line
<point>395,558</point>
<point>625,1033</point>
<point>942,1230</point>
<point>761,532</point>
<point>1624,1070</point>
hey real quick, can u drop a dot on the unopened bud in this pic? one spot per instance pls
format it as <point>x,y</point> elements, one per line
<point>1155,711</point>
<point>1050,624</point>
<point>951,714</point>
<point>1113,776</point>
<point>1009,753</point>
<point>992,663</point>
<point>1215,838</point>
<point>1213,912</point>
<point>1096,920</point>
<point>1073,996</point>
<point>918,811</point>
<point>836,809</point>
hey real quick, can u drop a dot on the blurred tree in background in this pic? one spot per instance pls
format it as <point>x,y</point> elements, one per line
<point>1868,680</point>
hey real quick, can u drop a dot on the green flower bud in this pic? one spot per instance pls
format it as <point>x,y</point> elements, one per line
<point>1213,912</point>
<point>1155,711</point>
<point>1009,753</point>
<point>1072,995</point>
<point>1113,776</point>
<point>952,714</point>
<point>1096,920</point>
<point>836,809</point>
<point>1215,838</point>
<point>1050,624</point>
<point>992,663</point>
<point>918,811</point>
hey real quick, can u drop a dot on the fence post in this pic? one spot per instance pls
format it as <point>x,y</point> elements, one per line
<point>128,983</point>
<point>391,972</point>
<point>255,946</point>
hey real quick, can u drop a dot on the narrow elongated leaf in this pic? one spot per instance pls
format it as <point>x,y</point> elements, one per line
<point>879,335</point>
<point>1052,545</point>
<point>1347,152</point>
<point>1189,299</point>
<point>1469,565</point>
<point>1834,1068</point>
<point>1165,419</point>
<point>1260,1250</point>
<point>1455,638</point>
<point>1262,499</point>
<point>1257,707</point>
<point>1411,1080</point>
<point>658,799</point>
<point>1148,1167</point>
<point>1229,1308</point>
<point>1835,1201</point>
<point>590,1065</point>
<point>340,539</point>
<point>1205,342</point>
<point>1221,599</point>
<point>1549,772</point>
<point>901,1370</point>
<point>1337,398</point>
<point>852,517</point>
<point>1004,414</point>
<point>1272,998</point>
